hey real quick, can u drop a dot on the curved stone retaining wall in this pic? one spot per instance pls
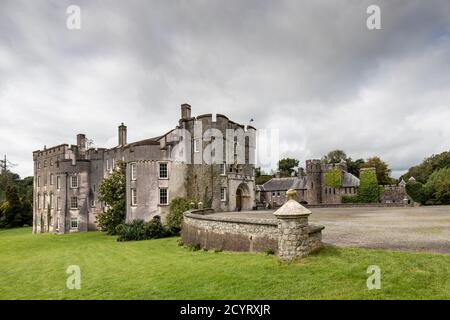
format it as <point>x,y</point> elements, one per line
<point>212,232</point>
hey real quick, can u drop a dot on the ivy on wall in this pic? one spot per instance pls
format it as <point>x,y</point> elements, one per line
<point>369,191</point>
<point>333,178</point>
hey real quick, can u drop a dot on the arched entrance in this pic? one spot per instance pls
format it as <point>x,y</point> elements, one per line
<point>243,199</point>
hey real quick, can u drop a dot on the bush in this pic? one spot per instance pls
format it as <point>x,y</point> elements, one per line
<point>139,230</point>
<point>175,217</point>
<point>350,199</point>
<point>133,231</point>
<point>154,229</point>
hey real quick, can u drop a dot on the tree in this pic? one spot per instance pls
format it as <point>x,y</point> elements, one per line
<point>335,156</point>
<point>382,169</point>
<point>286,166</point>
<point>416,191</point>
<point>423,171</point>
<point>112,193</point>
<point>353,167</point>
<point>437,188</point>
<point>12,211</point>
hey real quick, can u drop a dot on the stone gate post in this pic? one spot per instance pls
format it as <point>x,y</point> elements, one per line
<point>293,229</point>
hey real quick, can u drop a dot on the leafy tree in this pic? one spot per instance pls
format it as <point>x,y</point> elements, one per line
<point>416,191</point>
<point>353,167</point>
<point>382,170</point>
<point>423,171</point>
<point>112,193</point>
<point>335,156</point>
<point>12,211</point>
<point>437,188</point>
<point>338,156</point>
<point>286,166</point>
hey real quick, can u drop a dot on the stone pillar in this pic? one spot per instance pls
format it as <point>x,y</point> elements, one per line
<point>293,229</point>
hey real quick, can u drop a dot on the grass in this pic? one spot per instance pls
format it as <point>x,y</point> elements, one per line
<point>34,267</point>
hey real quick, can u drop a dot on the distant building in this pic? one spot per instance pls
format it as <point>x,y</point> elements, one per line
<point>310,185</point>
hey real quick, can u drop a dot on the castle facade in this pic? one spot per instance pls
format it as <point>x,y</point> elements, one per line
<point>203,159</point>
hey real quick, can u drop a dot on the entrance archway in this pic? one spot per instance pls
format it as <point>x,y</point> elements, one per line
<point>243,199</point>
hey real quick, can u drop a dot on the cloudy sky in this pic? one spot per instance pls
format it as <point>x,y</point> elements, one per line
<point>311,69</point>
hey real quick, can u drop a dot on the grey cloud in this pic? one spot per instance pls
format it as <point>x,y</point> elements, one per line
<point>309,68</point>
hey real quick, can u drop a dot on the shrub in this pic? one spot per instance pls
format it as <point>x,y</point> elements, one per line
<point>133,231</point>
<point>154,229</point>
<point>350,199</point>
<point>175,217</point>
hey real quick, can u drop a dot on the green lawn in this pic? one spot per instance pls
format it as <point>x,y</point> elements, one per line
<point>34,267</point>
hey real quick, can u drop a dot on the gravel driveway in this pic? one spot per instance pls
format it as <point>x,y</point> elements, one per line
<point>408,229</point>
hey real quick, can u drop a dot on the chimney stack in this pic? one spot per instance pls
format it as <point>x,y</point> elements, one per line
<point>81,141</point>
<point>122,135</point>
<point>185,111</point>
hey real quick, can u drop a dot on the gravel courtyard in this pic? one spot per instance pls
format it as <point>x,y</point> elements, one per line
<point>408,229</point>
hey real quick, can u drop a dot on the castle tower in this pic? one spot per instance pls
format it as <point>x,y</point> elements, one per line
<point>314,181</point>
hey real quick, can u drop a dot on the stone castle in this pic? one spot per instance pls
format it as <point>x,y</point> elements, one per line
<point>158,170</point>
<point>311,188</point>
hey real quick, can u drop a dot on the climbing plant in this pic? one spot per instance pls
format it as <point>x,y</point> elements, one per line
<point>333,178</point>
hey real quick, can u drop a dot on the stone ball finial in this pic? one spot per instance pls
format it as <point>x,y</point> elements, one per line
<point>291,194</point>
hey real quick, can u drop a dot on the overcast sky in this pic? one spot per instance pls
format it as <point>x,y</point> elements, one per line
<point>309,68</point>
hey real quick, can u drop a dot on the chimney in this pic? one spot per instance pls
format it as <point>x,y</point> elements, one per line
<point>81,141</point>
<point>185,111</point>
<point>122,135</point>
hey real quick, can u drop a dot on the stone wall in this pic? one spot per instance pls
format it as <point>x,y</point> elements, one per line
<point>288,235</point>
<point>232,234</point>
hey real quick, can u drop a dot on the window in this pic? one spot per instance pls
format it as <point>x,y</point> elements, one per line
<point>51,162</point>
<point>163,196</point>
<point>113,163</point>
<point>74,182</point>
<point>73,223</point>
<point>45,180</point>
<point>92,203</point>
<point>73,203</point>
<point>222,169</point>
<point>58,203</point>
<point>133,171</point>
<point>273,194</point>
<point>51,179</point>
<point>278,194</point>
<point>58,182</point>
<point>223,194</point>
<point>38,201</point>
<point>107,165</point>
<point>39,181</point>
<point>57,224</point>
<point>197,145</point>
<point>39,165</point>
<point>51,201</point>
<point>163,174</point>
<point>133,197</point>
<point>45,163</point>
